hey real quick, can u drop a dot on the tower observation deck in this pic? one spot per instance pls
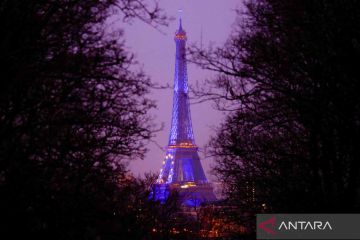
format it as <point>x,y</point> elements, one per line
<point>182,170</point>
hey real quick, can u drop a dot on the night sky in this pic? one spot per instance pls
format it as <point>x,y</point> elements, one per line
<point>155,51</point>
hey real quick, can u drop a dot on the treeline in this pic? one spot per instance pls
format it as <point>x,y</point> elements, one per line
<point>288,78</point>
<point>72,113</point>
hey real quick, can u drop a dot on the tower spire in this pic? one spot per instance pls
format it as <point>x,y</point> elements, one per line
<point>181,127</point>
<point>180,11</point>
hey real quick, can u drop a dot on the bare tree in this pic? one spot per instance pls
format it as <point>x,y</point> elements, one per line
<point>72,111</point>
<point>287,78</point>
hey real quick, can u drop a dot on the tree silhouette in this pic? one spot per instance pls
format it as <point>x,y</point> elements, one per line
<point>288,80</point>
<point>72,112</point>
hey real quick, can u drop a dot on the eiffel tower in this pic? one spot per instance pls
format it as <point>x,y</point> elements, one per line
<point>181,169</point>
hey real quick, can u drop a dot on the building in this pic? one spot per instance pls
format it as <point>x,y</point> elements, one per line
<point>182,170</point>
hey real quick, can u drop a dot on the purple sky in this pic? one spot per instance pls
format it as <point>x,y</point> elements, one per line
<point>156,53</point>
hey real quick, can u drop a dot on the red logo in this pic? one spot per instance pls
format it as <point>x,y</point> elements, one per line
<point>268,225</point>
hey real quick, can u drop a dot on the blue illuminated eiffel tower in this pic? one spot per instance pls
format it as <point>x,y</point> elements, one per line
<point>182,170</point>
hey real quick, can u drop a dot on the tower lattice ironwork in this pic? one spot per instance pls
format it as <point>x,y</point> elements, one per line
<point>182,169</point>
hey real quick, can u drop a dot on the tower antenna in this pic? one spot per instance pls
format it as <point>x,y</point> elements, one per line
<point>180,13</point>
